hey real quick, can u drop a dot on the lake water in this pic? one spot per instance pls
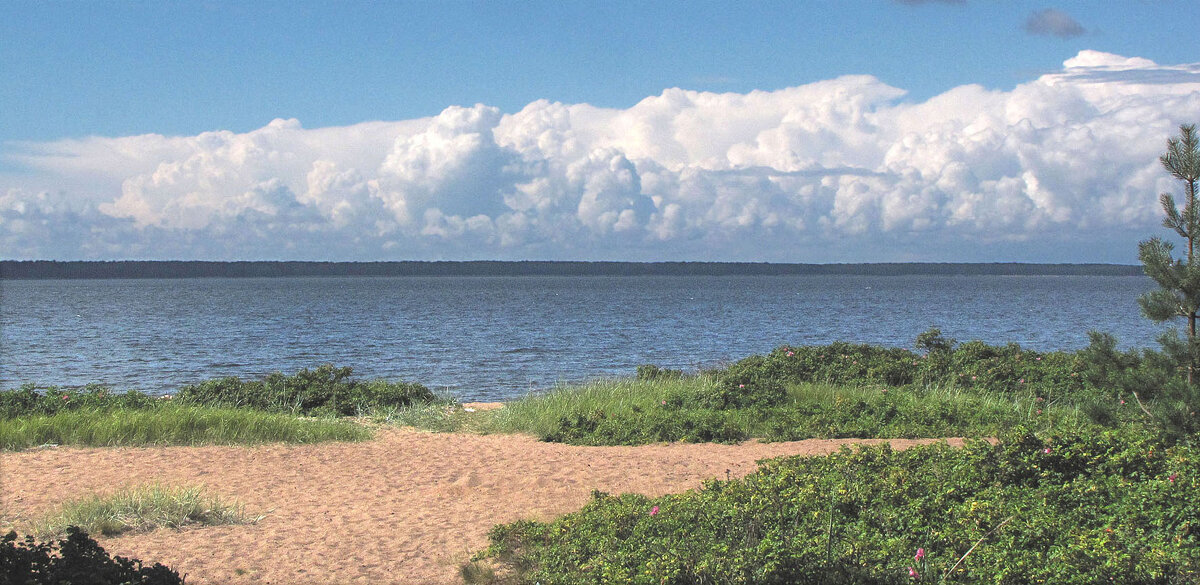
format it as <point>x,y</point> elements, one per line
<point>496,338</point>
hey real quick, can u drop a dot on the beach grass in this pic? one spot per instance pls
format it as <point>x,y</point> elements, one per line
<point>171,424</point>
<point>630,411</point>
<point>542,413</point>
<point>440,417</point>
<point>139,509</point>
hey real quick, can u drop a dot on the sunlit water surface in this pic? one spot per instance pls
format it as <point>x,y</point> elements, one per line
<point>496,338</point>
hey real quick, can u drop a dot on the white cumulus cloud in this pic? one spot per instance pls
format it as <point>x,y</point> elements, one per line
<point>840,170</point>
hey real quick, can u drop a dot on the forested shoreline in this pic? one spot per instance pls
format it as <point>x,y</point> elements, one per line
<point>45,269</point>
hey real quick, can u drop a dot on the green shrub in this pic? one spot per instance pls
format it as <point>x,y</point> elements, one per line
<point>1007,370</point>
<point>324,391</point>
<point>78,561</point>
<point>749,383</point>
<point>1069,509</point>
<point>931,341</point>
<point>652,372</point>
<point>649,426</point>
<point>1153,380</point>
<point>29,400</point>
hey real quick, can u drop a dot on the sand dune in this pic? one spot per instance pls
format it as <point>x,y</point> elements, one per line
<point>407,507</point>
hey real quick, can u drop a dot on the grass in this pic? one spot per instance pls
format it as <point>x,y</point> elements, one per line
<point>541,414</point>
<point>140,509</point>
<point>633,411</point>
<point>171,425</point>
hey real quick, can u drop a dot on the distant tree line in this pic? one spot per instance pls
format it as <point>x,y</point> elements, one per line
<point>46,269</point>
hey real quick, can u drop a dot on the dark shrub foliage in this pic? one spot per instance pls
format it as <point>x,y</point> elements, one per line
<point>751,383</point>
<point>931,341</point>
<point>697,425</point>
<point>1151,379</point>
<point>1007,369</point>
<point>325,390</point>
<point>653,372</point>
<point>29,400</point>
<point>1102,508</point>
<point>79,561</point>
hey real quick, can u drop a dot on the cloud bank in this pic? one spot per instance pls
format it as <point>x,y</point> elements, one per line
<point>1062,168</point>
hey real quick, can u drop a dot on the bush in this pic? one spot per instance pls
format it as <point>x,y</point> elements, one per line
<point>750,383</point>
<point>1006,370</point>
<point>28,400</point>
<point>931,341</point>
<point>655,426</point>
<point>1151,379</point>
<point>325,391</point>
<point>649,372</point>
<point>1109,507</point>
<point>79,561</point>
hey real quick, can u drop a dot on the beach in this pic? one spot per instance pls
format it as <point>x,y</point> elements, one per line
<point>406,507</point>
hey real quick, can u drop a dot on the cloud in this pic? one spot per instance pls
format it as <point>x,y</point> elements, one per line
<point>1052,22</point>
<point>839,170</point>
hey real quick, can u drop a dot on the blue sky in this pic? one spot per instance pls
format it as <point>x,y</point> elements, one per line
<point>107,106</point>
<point>120,68</point>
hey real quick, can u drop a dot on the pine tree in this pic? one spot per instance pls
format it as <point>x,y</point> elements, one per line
<point>1178,280</point>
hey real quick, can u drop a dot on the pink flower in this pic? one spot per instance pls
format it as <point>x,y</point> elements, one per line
<point>920,554</point>
<point>791,353</point>
<point>1172,477</point>
<point>973,377</point>
<point>1039,411</point>
<point>1047,450</point>
<point>65,397</point>
<point>1021,381</point>
<point>1040,399</point>
<point>1122,401</point>
<point>664,403</point>
<point>913,573</point>
<point>741,385</point>
<point>654,511</point>
<point>1039,359</point>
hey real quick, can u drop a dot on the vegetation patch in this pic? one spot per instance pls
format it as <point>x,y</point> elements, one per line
<point>278,408</point>
<point>324,391</point>
<point>1104,507</point>
<point>781,397</point>
<point>174,424</point>
<point>141,509</point>
<point>30,400</point>
<point>444,415</point>
<point>76,559</point>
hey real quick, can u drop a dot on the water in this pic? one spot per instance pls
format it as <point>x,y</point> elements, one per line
<point>496,338</point>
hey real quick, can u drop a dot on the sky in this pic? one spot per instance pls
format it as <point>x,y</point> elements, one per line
<point>800,131</point>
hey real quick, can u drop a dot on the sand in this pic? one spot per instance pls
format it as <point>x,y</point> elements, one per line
<point>406,507</point>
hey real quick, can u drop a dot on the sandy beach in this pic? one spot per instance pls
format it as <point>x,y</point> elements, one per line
<point>406,507</point>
